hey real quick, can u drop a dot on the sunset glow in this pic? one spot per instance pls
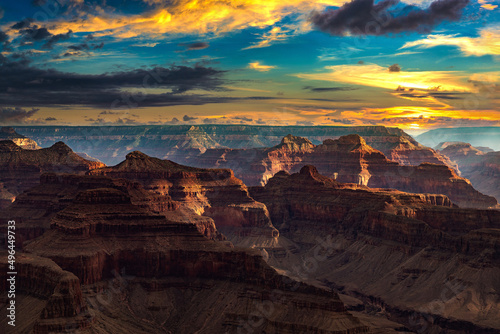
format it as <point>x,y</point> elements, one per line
<point>251,62</point>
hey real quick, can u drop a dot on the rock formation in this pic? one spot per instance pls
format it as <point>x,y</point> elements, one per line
<point>20,169</point>
<point>417,257</point>
<point>347,159</point>
<point>34,209</point>
<point>8,133</point>
<point>214,193</point>
<point>127,270</point>
<point>47,298</point>
<point>481,168</point>
<point>109,144</point>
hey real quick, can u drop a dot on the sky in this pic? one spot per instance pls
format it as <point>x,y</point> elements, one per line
<point>413,64</point>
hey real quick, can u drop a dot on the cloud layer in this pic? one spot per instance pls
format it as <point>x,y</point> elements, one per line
<point>18,80</point>
<point>377,76</point>
<point>364,17</point>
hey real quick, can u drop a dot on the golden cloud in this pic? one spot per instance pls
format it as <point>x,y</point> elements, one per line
<point>488,42</point>
<point>486,5</point>
<point>377,76</point>
<point>194,16</point>
<point>259,67</point>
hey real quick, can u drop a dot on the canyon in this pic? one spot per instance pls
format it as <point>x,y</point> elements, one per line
<point>20,168</point>
<point>338,235</point>
<point>110,143</point>
<point>347,159</point>
<point>214,193</point>
<point>481,168</point>
<point>416,257</point>
<point>108,265</point>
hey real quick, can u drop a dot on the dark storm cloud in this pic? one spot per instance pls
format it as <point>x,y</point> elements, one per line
<point>107,112</point>
<point>341,121</point>
<point>56,39</point>
<point>448,95</point>
<point>125,121</point>
<point>79,47</point>
<point>328,89</point>
<point>394,68</point>
<point>422,94</point>
<point>304,123</point>
<point>24,85</point>
<point>363,17</point>
<point>3,37</point>
<point>22,24</point>
<point>4,40</point>
<point>34,34</point>
<point>173,121</point>
<point>414,95</point>
<point>15,115</point>
<point>210,121</point>
<point>195,45</point>
<point>187,118</point>
<point>243,119</point>
<point>85,47</point>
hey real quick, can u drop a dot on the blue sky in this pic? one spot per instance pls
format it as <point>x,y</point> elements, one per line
<point>416,64</point>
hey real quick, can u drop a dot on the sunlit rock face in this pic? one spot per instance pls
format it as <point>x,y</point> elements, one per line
<point>347,159</point>
<point>8,133</point>
<point>214,193</point>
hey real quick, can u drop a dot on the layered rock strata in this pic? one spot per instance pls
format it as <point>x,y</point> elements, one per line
<point>20,168</point>
<point>481,168</point>
<point>413,254</point>
<point>215,193</point>
<point>347,159</point>
<point>47,298</point>
<point>109,144</point>
<point>140,272</point>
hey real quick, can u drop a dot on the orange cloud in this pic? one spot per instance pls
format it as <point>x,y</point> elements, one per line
<point>195,16</point>
<point>486,5</point>
<point>259,67</point>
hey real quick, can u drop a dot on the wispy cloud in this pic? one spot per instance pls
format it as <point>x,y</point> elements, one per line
<point>276,34</point>
<point>377,76</point>
<point>146,45</point>
<point>487,43</point>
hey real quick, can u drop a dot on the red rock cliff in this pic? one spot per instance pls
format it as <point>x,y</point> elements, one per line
<point>482,169</point>
<point>102,232</point>
<point>215,193</point>
<point>20,168</point>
